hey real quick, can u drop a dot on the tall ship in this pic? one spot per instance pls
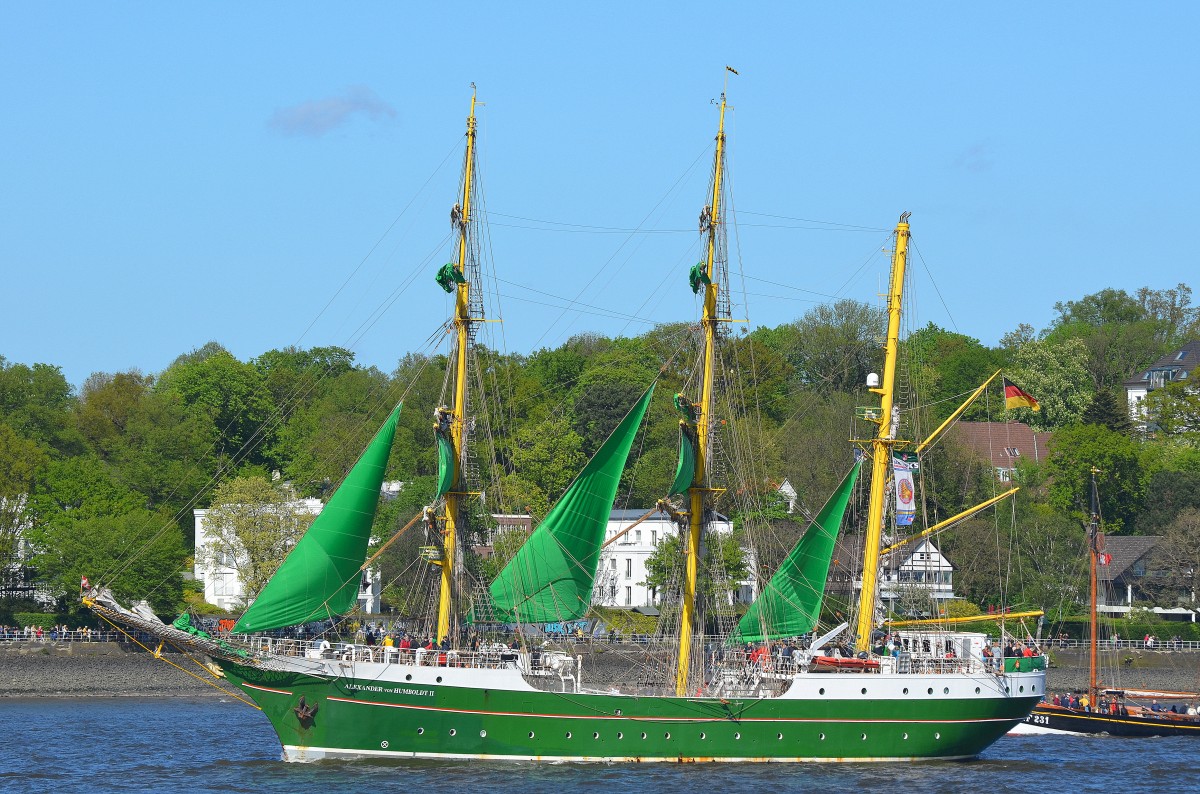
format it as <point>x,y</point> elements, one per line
<point>711,684</point>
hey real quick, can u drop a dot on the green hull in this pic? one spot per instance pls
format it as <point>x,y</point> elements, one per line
<point>360,717</point>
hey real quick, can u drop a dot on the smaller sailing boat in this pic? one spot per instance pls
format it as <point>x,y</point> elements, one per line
<point>1107,709</point>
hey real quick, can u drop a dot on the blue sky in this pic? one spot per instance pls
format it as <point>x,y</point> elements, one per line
<point>273,174</point>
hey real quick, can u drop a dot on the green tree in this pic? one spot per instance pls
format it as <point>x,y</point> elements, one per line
<point>1075,451</point>
<point>1175,561</point>
<point>1107,411</point>
<point>252,525</point>
<point>35,401</point>
<point>137,554</point>
<point>1174,410</point>
<point>86,523</point>
<point>229,394</point>
<point>1168,494</point>
<point>322,440</point>
<point>722,567</point>
<point>153,443</point>
<point>21,463</point>
<point>1055,373</point>
<point>947,366</point>
<point>1116,329</point>
<point>834,346</point>
<point>546,457</point>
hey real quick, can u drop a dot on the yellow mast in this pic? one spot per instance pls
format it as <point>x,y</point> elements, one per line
<point>881,445</point>
<point>462,323</point>
<point>698,493</point>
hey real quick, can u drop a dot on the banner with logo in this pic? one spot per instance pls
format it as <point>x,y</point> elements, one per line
<point>903,466</point>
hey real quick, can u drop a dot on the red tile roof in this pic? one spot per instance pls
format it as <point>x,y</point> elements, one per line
<point>1004,443</point>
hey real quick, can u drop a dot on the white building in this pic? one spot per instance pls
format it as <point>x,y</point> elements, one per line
<point>621,573</point>
<point>223,585</point>
<point>924,569</point>
<point>1175,366</point>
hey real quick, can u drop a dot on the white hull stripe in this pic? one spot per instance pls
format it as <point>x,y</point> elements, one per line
<point>301,754</point>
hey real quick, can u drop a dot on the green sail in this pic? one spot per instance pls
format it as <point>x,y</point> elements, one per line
<point>685,471</point>
<point>550,578</point>
<point>445,478</point>
<point>791,602</point>
<point>320,577</point>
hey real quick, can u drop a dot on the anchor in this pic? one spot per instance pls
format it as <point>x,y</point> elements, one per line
<point>305,713</point>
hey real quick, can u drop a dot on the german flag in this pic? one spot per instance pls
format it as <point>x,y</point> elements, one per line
<point>1016,397</point>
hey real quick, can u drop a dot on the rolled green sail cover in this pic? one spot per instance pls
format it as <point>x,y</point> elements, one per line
<point>685,470</point>
<point>790,603</point>
<point>445,480</point>
<point>320,577</point>
<point>550,578</point>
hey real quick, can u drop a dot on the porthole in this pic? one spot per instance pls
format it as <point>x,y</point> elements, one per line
<point>937,736</point>
<point>1007,691</point>
<point>821,691</point>
<point>1022,688</point>
<point>531,734</point>
<point>864,737</point>
<point>620,734</point>
<point>595,735</point>
<point>737,736</point>
<point>702,735</point>
<point>905,737</point>
<point>408,677</point>
<point>384,744</point>
<point>906,690</point>
<point>822,737</point>
<point>864,690</point>
<point>643,734</point>
<point>617,712</point>
<point>946,690</point>
<point>568,734</point>
<point>483,734</point>
<point>439,679</point>
<point>667,735</point>
<point>454,732</point>
<point>931,690</point>
<point>976,690</point>
<point>779,736</point>
<point>420,731</point>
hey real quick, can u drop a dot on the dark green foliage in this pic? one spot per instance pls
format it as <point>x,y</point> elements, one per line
<point>1168,494</point>
<point>1107,411</point>
<point>947,367</point>
<point>1075,452</point>
<point>126,456</point>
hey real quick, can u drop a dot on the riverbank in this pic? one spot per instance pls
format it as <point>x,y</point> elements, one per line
<point>1130,668</point>
<point>101,669</point>
<point>109,669</point>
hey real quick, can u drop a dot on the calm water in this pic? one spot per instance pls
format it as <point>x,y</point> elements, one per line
<point>209,745</point>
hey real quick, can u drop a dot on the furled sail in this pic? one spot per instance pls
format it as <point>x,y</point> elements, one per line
<point>445,478</point>
<point>790,603</point>
<point>320,577</point>
<point>685,469</point>
<point>550,578</point>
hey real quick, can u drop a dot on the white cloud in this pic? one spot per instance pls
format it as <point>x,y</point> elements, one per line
<point>316,117</point>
